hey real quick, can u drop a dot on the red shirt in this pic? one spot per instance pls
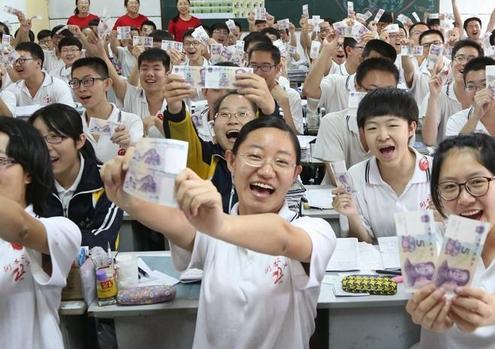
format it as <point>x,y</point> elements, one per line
<point>82,22</point>
<point>179,28</point>
<point>126,21</point>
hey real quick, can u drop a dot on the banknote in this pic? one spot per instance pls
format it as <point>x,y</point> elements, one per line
<point>417,50</point>
<point>201,35</point>
<point>260,13</point>
<point>406,21</point>
<point>342,178</point>
<point>223,77</point>
<point>434,55</point>
<point>490,78</point>
<point>379,15</point>
<point>194,75</point>
<point>153,168</point>
<point>350,8</point>
<point>314,51</point>
<point>230,24</point>
<point>170,44</point>
<point>305,10</point>
<point>123,33</point>
<point>316,20</point>
<point>283,24</point>
<point>101,127</point>
<point>417,247</point>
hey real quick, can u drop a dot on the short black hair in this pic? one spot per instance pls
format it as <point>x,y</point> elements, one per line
<point>255,37</point>
<point>44,33</point>
<point>126,1</point>
<point>65,32</point>
<point>386,17</point>
<point>433,22</point>
<point>148,22</point>
<point>478,63</point>
<point>4,28</point>
<point>33,48</point>
<point>189,33</point>
<point>65,121</point>
<point>380,64</point>
<point>387,101</point>
<point>267,122</point>
<point>70,41</point>
<point>238,25</point>
<point>492,38</point>
<point>30,35</point>
<point>155,55</point>
<point>483,145</point>
<point>28,149</point>
<point>430,32</point>
<point>348,42</point>
<point>264,47</point>
<point>416,24</point>
<point>466,43</point>
<point>383,48</point>
<point>94,22</point>
<point>159,35</point>
<point>95,63</point>
<point>259,21</point>
<point>219,25</point>
<point>272,31</point>
<point>470,19</point>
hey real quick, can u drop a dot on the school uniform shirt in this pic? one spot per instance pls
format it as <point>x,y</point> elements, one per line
<point>9,99</point>
<point>62,73</point>
<point>51,61</point>
<point>420,86</point>
<point>335,91</point>
<point>52,90</point>
<point>377,201</point>
<point>295,105</point>
<point>457,121</point>
<point>135,102</point>
<point>454,338</point>
<point>338,69</point>
<point>126,59</point>
<point>200,121</point>
<point>338,139</point>
<point>105,149</point>
<point>30,297</point>
<point>448,105</point>
<point>402,80</point>
<point>254,300</point>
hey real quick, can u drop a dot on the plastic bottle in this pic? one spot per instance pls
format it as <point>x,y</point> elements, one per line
<point>106,286</point>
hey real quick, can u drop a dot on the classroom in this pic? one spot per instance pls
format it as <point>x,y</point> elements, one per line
<point>247,174</point>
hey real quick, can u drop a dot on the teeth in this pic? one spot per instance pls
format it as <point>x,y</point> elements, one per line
<point>470,213</point>
<point>263,185</point>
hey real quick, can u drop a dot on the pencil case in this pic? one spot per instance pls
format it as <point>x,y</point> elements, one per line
<point>372,284</point>
<point>145,295</point>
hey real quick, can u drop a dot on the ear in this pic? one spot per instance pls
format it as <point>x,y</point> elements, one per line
<point>27,178</point>
<point>108,84</point>
<point>230,157</point>
<point>278,67</point>
<point>297,172</point>
<point>412,128</point>
<point>81,141</point>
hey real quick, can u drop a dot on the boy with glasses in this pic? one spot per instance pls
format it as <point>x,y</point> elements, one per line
<point>70,51</point>
<point>480,117</point>
<point>91,83</point>
<point>35,87</point>
<point>220,33</point>
<point>444,100</point>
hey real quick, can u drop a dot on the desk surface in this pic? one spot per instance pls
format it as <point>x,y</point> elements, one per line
<point>188,294</point>
<point>322,213</point>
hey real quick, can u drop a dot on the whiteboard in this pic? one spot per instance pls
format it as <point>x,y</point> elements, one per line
<point>114,8</point>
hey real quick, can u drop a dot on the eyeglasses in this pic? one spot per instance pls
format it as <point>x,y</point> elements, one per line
<point>427,45</point>
<point>278,164</point>
<point>475,88</point>
<point>69,50</point>
<point>23,60</point>
<point>476,186</point>
<point>462,58</point>
<point>263,67</point>
<point>219,31</point>
<point>6,162</point>
<point>238,115</point>
<point>54,139</point>
<point>86,82</point>
<point>191,43</point>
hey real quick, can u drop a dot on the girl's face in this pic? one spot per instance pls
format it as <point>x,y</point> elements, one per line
<point>183,7</point>
<point>479,208</point>
<point>264,169</point>
<point>83,6</point>
<point>64,151</point>
<point>388,137</point>
<point>13,179</point>
<point>133,6</point>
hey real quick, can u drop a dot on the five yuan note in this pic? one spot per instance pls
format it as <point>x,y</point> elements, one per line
<point>153,168</point>
<point>100,127</point>
<point>417,248</point>
<point>461,250</point>
<point>434,55</point>
<point>123,33</point>
<point>223,77</point>
<point>341,176</point>
<point>490,78</point>
<point>194,75</point>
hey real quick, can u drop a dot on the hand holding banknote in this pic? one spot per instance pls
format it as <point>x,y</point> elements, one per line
<point>121,137</point>
<point>255,89</point>
<point>472,308</point>
<point>482,101</point>
<point>343,202</point>
<point>175,90</point>
<point>429,308</point>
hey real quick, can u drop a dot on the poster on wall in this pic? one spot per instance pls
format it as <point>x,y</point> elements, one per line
<point>224,8</point>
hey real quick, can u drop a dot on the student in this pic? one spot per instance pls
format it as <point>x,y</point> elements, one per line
<point>339,137</point>
<point>333,90</point>
<point>70,51</point>
<point>467,320</point>
<point>36,253</point>
<point>78,193</point>
<point>472,25</point>
<point>132,18</point>
<point>183,22</point>
<point>124,51</point>
<point>36,86</point>
<point>91,83</point>
<point>444,100</point>
<point>480,117</point>
<point>220,32</point>
<point>415,32</point>
<point>81,16</point>
<point>265,61</point>
<point>52,56</point>
<point>396,177</point>
<point>45,39</point>
<point>275,260</point>
<point>147,28</point>
<point>194,50</point>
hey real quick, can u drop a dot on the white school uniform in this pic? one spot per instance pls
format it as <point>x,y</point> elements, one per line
<point>126,59</point>
<point>52,90</point>
<point>457,121</point>
<point>254,300</point>
<point>200,120</point>
<point>9,99</point>
<point>448,105</point>
<point>335,91</point>
<point>51,61</point>
<point>377,201</point>
<point>135,102</point>
<point>338,69</point>
<point>105,149</point>
<point>295,105</point>
<point>453,338</point>
<point>338,139</point>
<point>62,73</point>
<point>30,297</point>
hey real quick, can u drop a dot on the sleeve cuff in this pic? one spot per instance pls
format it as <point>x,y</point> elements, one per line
<point>180,116</point>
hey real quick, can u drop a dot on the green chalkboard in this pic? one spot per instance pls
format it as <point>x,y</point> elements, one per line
<point>335,9</point>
